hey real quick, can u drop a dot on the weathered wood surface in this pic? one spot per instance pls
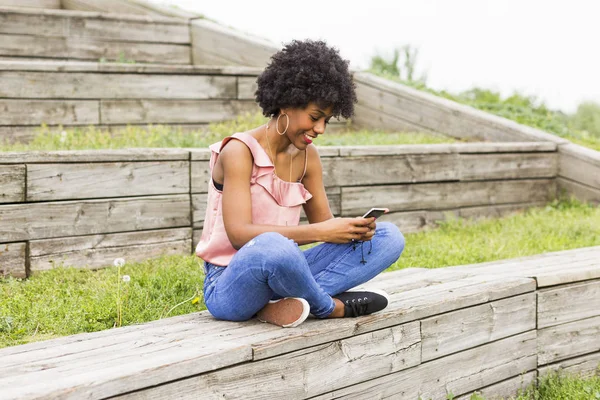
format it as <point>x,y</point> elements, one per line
<point>100,250</point>
<point>47,182</point>
<point>435,113</point>
<point>215,44</point>
<point>506,389</point>
<point>12,183</point>
<point>445,148</point>
<point>413,221</point>
<point>73,218</point>
<point>168,361</point>
<point>445,195</point>
<point>572,339</point>
<point>85,66</point>
<point>507,166</point>
<point>198,209</point>
<point>172,111</point>
<point>113,6</point>
<point>92,49</point>
<point>247,87</point>
<point>91,156</point>
<point>108,27</point>
<point>460,330</point>
<point>366,117</point>
<point>580,191</point>
<point>588,365</point>
<point>426,114</point>
<point>306,372</point>
<point>458,374</point>
<point>31,3</point>
<point>577,164</point>
<point>49,112</point>
<point>355,171</point>
<point>45,85</point>
<point>200,171</point>
<point>568,303</point>
<point>436,167</point>
<point>13,258</point>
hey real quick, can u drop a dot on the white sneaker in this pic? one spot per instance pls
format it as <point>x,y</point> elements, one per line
<point>287,313</point>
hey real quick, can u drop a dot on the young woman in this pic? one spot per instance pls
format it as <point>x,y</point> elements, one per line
<point>260,180</point>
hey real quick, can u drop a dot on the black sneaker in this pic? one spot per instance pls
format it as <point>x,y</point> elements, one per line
<point>363,302</point>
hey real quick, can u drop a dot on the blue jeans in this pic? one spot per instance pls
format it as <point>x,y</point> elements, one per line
<point>271,266</point>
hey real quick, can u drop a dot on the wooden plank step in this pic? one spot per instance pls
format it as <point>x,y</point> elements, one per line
<point>92,49</point>
<point>77,85</point>
<point>586,366</point>
<point>505,389</point>
<point>445,195</point>
<point>13,259</point>
<point>556,343</point>
<point>100,250</point>
<point>88,217</point>
<point>307,372</point>
<point>49,112</point>
<point>463,329</point>
<point>50,182</point>
<point>93,156</point>
<point>12,183</point>
<point>137,368</point>
<point>457,374</point>
<point>568,303</point>
<point>52,4</point>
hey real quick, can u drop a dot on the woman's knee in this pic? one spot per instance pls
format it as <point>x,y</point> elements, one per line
<point>276,249</point>
<point>391,236</point>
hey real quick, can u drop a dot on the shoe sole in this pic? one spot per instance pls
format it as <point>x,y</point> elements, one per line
<point>287,313</point>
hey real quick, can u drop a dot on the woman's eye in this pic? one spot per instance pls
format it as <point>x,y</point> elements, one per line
<point>314,119</point>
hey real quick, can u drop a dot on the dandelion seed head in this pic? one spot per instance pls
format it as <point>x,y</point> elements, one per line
<point>119,262</point>
<point>126,278</point>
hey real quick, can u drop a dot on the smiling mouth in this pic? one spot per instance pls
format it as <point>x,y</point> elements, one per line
<point>308,139</point>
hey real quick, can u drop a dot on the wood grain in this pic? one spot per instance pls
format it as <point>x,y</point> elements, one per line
<point>92,49</point>
<point>586,366</point>
<point>49,112</point>
<point>73,218</point>
<point>568,303</point>
<point>12,183</point>
<point>172,111</point>
<point>84,181</point>
<point>460,330</point>
<point>509,388</point>
<point>568,340</point>
<point>114,86</point>
<point>31,3</point>
<point>458,374</point>
<point>97,251</point>
<point>445,195</point>
<point>13,259</point>
<point>307,372</point>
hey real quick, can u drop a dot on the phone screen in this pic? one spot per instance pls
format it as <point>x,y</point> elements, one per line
<point>375,212</point>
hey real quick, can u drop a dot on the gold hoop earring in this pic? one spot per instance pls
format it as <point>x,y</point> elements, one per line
<point>286,125</point>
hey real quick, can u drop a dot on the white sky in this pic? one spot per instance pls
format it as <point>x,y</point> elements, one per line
<point>549,48</point>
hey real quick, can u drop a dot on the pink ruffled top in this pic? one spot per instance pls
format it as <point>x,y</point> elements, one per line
<point>274,202</point>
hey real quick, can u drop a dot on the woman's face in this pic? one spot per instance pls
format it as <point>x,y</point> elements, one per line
<point>306,124</point>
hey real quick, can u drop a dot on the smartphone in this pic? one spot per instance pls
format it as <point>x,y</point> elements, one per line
<point>375,212</point>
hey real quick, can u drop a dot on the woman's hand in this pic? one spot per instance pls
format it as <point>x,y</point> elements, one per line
<point>344,230</point>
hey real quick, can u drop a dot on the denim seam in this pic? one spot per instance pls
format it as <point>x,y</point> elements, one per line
<point>335,262</point>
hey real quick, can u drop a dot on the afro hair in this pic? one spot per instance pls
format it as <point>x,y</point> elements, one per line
<point>304,72</point>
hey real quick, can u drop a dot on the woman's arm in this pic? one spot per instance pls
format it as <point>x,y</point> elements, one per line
<point>236,162</point>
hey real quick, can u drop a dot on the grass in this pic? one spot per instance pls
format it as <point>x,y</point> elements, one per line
<point>557,386</point>
<point>166,136</point>
<point>65,301</point>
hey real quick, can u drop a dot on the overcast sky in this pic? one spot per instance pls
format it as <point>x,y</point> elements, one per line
<point>545,48</point>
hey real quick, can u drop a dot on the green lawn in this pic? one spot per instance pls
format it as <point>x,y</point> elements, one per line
<point>556,386</point>
<point>66,301</point>
<point>166,136</point>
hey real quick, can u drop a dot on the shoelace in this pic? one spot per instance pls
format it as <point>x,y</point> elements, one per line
<point>362,253</point>
<point>358,308</point>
